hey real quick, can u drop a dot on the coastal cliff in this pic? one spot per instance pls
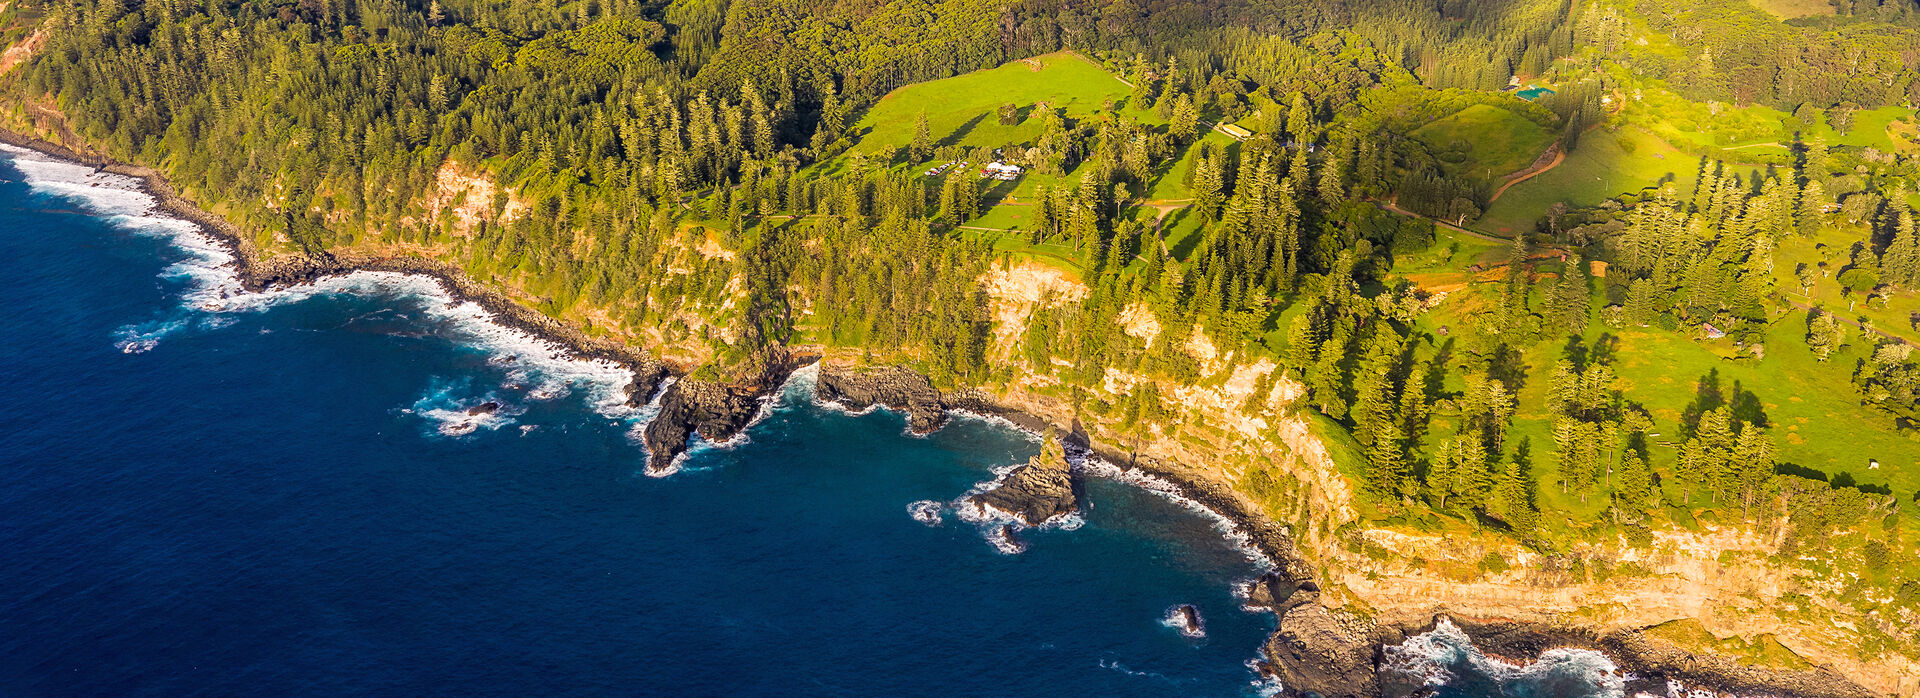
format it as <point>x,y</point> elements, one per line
<point>1319,644</point>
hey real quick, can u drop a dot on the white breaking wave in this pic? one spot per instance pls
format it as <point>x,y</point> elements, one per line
<point>1438,658</point>
<point>1085,462</point>
<point>1115,665</point>
<point>454,414</point>
<point>926,511</point>
<point>1178,621</point>
<point>1002,540</point>
<point>1228,528</point>
<point>1264,686</point>
<point>213,295</point>
<point>995,420</point>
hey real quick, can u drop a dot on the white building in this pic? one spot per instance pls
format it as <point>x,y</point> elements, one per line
<point>1001,170</point>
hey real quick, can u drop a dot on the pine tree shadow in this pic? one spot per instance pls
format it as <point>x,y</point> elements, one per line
<point>1508,367</point>
<point>1582,355</point>
<point>960,134</point>
<point>997,192</point>
<point>1182,249</point>
<point>1708,396</point>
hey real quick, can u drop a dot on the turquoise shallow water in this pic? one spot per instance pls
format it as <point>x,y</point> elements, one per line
<point>207,492</point>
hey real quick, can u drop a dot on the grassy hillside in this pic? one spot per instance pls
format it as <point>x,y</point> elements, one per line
<point>1604,165</point>
<point>961,110</point>
<point>1485,141</point>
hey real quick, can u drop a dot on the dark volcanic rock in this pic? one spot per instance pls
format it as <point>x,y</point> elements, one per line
<point>1279,592</point>
<point>488,407</point>
<point>1314,653</point>
<point>1189,619</point>
<point>1652,662</point>
<point>716,411</point>
<point>895,387</point>
<point>1035,492</point>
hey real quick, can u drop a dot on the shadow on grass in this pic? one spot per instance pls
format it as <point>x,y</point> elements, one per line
<point>1743,404</point>
<point>960,134</point>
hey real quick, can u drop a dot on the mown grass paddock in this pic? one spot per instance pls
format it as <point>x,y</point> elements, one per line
<point>1605,164</point>
<point>963,110</point>
<point>1492,142</point>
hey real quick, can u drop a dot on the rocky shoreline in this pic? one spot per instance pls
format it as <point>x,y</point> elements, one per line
<point>715,411</point>
<point>1651,662</point>
<point>1314,650</point>
<point>257,274</point>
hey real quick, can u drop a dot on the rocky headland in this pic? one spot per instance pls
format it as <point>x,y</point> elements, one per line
<point>715,411</point>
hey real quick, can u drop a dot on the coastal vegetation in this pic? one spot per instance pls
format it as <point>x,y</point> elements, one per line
<point>1444,332</point>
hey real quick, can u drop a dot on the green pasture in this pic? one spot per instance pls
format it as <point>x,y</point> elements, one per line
<point>1484,141</point>
<point>1814,424</point>
<point>1895,318</point>
<point>963,110</point>
<point>1790,9</point>
<point>1605,164</point>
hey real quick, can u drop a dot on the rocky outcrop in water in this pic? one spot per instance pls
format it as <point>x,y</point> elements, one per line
<point>1316,652</point>
<point>1036,492</point>
<point>895,387</point>
<point>1188,619</point>
<point>715,411</point>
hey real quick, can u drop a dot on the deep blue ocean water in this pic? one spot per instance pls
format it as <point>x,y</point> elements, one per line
<point>281,494</point>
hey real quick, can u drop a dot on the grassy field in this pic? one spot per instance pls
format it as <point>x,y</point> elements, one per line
<point>1604,165</point>
<point>1905,136</point>
<point>1815,418</point>
<point>962,110</point>
<point>1895,319</point>
<point>1444,266</point>
<point>1752,132</point>
<point>1722,128</point>
<point>1871,128</point>
<point>1171,184</point>
<point>1488,141</point>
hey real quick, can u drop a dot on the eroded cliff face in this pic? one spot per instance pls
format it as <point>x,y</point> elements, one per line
<point>1240,424</point>
<point>1235,437</point>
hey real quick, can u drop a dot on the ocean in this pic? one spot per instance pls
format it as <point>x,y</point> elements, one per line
<point>211,492</point>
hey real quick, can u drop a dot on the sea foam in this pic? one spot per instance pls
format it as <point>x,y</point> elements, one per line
<point>212,295</point>
<point>1446,656</point>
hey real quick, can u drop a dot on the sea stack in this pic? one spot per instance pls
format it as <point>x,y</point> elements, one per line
<point>1036,492</point>
<point>1188,619</point>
